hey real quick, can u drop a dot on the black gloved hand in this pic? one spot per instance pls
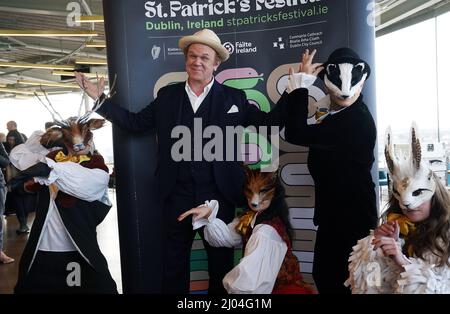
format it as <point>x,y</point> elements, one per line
<point>38,170</point>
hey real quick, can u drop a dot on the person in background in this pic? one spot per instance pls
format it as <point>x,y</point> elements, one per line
<point>18,200</point>
<point>2,138</point>
<point>12,125</point>
<point>4,161</point>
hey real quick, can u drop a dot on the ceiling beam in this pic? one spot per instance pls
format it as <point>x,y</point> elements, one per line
<point>404,10</point>
<point>46,7</point>
<point>32,11</point>
<point>45,33</point>
<point>30,75</point>
<point>57,50</point>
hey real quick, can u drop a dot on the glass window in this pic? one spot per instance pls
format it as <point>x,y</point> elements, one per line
<point>406,83</point>
<point>443,67</point>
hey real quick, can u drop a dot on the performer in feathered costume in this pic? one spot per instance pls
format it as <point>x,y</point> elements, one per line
<point>409,252</point>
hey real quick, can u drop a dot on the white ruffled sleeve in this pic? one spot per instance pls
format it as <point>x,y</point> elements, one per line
<point>216,232</point>
<point>200,222</point>
<point>370,271</point>
<point>424,277</point>
<point>258,269</point>
<point>299,80</point>
<point>81,182</point>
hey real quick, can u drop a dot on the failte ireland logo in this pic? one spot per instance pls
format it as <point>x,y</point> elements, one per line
<point>229,46</point>
<point>156,50</point>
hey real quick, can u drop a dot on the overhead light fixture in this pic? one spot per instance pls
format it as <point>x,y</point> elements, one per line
<point>18,91</point>
<point>36,66</point>
<point>23,97</point>
<point>51,84</point>
<point>91,61</point>
<point>96,44</point>
<point>89,19</point>
<point>88,75</point>
<point>45,33</point>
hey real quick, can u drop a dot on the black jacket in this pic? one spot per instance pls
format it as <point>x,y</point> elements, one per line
<point>340,161</point>
<point>80,218</point>
<point>164,113</point>
<point>4,161</point>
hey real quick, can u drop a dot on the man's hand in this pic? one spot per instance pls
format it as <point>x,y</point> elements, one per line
<point>306,65</point>
<point>202,211</point>
<point>93,90</point>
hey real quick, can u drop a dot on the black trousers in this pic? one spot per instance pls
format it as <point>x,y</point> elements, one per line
<point>23,203</point>
<point>179,237</point>
<point>49,274</point>
<point>331,252</point>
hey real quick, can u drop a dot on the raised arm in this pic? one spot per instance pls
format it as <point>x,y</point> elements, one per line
<point>93,90</point>
<point>141,121</point>
<point>280,113</point>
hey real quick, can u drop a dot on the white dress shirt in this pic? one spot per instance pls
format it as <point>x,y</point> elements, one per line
<point>195,100</point>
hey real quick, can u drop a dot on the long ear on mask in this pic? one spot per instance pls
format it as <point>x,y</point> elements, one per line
<point>416,152</point>
<point>275,175</point>
<point>247,169</point>
<point>389,150</point>
<point>51,136</point>
<point>95,124</point>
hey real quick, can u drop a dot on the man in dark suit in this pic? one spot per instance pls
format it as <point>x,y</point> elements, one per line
<point>187,183</point>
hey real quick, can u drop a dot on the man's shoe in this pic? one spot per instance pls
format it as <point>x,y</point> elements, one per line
<point>23,230</point>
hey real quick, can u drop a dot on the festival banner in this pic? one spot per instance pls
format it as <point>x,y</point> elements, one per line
<point>265,38</point>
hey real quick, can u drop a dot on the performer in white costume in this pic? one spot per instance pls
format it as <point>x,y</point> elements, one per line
<point>409,252</point>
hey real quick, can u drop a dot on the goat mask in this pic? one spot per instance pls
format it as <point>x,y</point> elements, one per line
<point>412,181</point>
<point>72,133</point>
<point>344,73</point>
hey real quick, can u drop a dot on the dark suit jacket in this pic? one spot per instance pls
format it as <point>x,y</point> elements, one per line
<point>164,113</point>
<point>340,161</point>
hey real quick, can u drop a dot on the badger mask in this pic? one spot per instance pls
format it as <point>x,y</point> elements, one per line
<point>412,182</point>
<point>344,80</point>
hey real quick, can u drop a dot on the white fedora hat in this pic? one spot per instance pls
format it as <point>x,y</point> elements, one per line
<point>206,37</point>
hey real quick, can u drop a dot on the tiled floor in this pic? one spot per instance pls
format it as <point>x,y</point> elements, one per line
<point>108,238</point>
